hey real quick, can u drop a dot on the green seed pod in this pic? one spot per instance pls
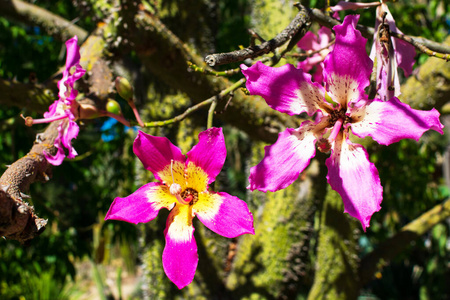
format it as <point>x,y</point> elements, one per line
<point>113,107</point>
<point>124,88</point>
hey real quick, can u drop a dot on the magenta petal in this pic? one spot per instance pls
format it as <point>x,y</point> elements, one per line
<point>156,152</point>
<point>58,158</point>
<point>405,54</point>
<point>356,179</point>
<point>224,214</point>
<point>210,152</point>
<point>388,122</point>
<point>70,132</point>
<point>348,58</point>
<point>142,206</point>
<point>285,160</point>
<point>180,256</point>
<point>73,52</point>
<point>309,42</point>
<point>286,89</point>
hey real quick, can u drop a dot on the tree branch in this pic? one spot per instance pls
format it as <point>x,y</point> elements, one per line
<point>31,14</point>
<point>297,28</point>
<point>18,220</point>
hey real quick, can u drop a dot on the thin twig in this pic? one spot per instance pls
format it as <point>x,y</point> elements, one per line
<point>421,47</point>
<point>192,109</point>
<point>212,108</point>
<point>196,68</point>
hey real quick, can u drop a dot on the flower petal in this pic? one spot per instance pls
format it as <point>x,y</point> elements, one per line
<point>356,179</point>
<point>285,160</point>
<point>348,67</point>
<point>143,205</point>
<point>71,75</point>
<point>286,89</point>
<point>224,214</point>
<point>70,132</point>
<point>309,42</point>
<point>210,152</point>
<point>180,256</point>
<point>58,158</point>
<point>156,153</point>
<point>388,122</point>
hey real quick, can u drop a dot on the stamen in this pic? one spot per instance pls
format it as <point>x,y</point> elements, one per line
<point>171,170</point>
<point>30,121</point>
<point>175,188</point>
<point>336,129</point>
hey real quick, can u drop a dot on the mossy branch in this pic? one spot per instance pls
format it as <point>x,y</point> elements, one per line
<point>394,245</point>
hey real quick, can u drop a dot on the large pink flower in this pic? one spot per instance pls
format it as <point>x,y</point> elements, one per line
<point>346,74</point>
<point>184,191</point>
<point>65,108</point>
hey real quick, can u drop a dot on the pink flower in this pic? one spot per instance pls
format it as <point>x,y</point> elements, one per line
<point>184,191</point>
<point>312,42</point>
<point>346,75</point>
<point>65,108</point>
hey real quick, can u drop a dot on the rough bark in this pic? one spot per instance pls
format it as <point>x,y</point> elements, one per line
<point>18,220</point>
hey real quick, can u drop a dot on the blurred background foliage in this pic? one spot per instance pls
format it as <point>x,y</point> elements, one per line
<point>81,190</point>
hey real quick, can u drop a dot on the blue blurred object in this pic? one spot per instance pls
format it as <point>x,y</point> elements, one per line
<point>108,130</point>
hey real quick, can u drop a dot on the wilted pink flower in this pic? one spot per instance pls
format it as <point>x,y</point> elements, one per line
<point>184,191</point>
<point>312,42</point>
<point>346,75</point>
<point>390,53</point>
<point>65,108</point>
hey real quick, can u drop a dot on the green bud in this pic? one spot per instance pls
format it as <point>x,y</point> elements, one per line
<point>124,88</point>
<point>113,107</point>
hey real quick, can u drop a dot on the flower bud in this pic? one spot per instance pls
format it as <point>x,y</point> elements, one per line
<point>87,111</point>
<point>124,88</point>
<point>113,107</point>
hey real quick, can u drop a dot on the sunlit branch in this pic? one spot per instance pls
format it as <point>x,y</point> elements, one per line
<point>294,31</point>
<point>196,107</point>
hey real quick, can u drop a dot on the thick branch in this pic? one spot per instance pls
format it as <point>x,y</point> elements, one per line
<point>397,243</point>
<point>297,28</point>
<point>35,15</point>
<point>167,57</point>
<point>18,220</point>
